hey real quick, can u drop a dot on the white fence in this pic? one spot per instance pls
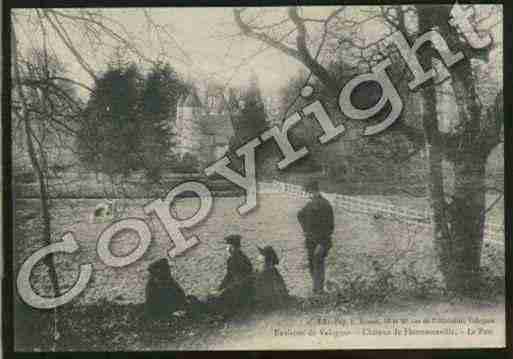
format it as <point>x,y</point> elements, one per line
<point>492,231</point>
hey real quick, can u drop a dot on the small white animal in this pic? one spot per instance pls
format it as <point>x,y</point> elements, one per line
<point>103,211</point>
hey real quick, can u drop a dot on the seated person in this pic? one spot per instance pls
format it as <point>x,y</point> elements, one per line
<point>164,295</point>
<point>270,289</point>
<point>236,289</point>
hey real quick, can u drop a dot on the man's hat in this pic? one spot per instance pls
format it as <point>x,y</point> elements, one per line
<point>233,239</point>
<point>312,186</point>
<point>269,255</point>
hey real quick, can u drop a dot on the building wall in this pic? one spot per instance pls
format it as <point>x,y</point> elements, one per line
<point>193,139</point>
<point>188,132</point>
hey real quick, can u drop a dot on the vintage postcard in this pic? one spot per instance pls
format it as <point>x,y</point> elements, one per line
<point>260,178</point>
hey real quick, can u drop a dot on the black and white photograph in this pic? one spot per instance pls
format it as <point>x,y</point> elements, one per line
<point>257,178</point>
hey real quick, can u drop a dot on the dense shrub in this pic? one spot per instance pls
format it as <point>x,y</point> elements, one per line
<point>187,164</point>
<point>25,177</point>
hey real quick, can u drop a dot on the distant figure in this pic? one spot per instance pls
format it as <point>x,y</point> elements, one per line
<point>316,220</point>
<point>270,289</point>
<point>236,290</point>
<point>164,296</point>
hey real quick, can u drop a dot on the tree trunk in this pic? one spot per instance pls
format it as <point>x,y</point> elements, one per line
<point>41,176</point>
<point>458,224</point>
<point>466,220</point>
<point>45,207</point>
<point>441,235</point>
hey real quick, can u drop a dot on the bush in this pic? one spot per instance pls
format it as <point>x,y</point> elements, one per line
<point>25,177</point>
<point>382,282</point>
<point>187,164</point>
<point>106,326</point>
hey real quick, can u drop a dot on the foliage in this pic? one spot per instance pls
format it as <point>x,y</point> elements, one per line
<point>162,88</point>
<point>458,238</point>
<point>129,119</point>
<point>249,120</point>
<point>188,164</point>
<point>106,326</point>
<point>350,159</point>
<point>109,137</point>
<point>25,177</point>
<point>252,118</point>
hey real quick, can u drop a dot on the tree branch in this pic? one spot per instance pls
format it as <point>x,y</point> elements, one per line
<point>67,42</point>
<point>316,68</point>
<point>301,53</point>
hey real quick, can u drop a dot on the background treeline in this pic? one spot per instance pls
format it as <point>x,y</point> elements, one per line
<point>127,123</point>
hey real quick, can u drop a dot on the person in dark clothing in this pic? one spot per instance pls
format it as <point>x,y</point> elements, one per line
<point>270,288</point>
<point>164,295</point>
<point>236,290</point>
<point>316,220</point>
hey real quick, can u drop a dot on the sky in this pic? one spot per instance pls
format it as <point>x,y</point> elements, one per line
<point>205,35</point>
<point>202,44</point>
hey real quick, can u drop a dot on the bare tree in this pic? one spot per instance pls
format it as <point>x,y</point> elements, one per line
<point>46,105</point>
<point>43,105</point>
<point>458,222</point>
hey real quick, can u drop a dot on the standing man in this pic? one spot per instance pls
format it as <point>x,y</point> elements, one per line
<point>316,220</point>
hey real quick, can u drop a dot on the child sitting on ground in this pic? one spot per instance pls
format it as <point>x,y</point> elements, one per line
<point>164,296</point>
<point>270,289</point>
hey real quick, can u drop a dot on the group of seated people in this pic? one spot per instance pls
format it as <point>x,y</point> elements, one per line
<point>242,287</point>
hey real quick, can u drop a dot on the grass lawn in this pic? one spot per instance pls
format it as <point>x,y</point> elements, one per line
<point>358,240</point>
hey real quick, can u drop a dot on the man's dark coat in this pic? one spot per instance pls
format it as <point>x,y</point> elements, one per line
<point>316,219</point>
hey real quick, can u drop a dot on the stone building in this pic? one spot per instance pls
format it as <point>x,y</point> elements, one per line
<point>203,128</point>
<point>207,120</point>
